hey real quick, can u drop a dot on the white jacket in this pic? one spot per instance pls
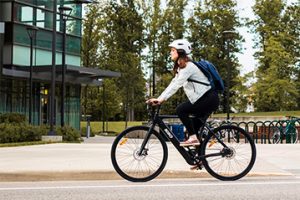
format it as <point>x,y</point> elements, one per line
<point>192,90</point>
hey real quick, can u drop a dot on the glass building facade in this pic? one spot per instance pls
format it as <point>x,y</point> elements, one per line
<point>17,16</point>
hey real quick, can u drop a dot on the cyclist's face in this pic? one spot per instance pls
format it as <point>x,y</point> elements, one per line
<point>174,54</point>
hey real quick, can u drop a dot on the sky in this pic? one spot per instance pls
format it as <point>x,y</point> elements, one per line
<point>246,58</point>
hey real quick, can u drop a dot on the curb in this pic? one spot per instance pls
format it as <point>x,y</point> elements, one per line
<point>105,175</point>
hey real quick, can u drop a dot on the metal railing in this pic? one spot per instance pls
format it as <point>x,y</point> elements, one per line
<point>265,132</point>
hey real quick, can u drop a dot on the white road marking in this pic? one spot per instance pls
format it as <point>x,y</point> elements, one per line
<point>152,185</point>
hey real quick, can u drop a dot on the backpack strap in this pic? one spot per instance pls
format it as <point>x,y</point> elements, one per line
<point>203,83</point>
<point>204,72</point>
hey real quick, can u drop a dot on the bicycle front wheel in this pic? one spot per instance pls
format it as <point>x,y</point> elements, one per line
<point>135,164</point>
<point>274,135</point>
<point>233,161</point>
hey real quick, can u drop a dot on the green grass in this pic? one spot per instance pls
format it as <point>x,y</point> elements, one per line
<point>115,127</point>
<point>25,143</point>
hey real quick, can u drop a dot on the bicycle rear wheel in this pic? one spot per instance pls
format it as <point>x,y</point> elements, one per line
<point>134,166</point>
<point>233,162</point>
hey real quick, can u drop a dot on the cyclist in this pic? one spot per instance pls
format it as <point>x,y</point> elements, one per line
<point>202,99</point>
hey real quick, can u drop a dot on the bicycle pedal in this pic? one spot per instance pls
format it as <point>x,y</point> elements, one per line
<point>196,167</point>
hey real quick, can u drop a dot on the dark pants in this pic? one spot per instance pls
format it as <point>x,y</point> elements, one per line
<point>202,108</point>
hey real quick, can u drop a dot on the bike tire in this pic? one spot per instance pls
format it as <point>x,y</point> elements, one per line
<point>274,135</point>
<point>126,161</point>
<point>238,163</point>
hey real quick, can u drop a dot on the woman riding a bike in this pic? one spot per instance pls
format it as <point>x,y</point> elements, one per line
<point>202,99</point>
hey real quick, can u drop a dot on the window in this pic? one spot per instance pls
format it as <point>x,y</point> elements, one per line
<point>43,18</point>
<point>73,45</point>
<point>33,16</point>
<point>23,14</point>
<point>39,3</point>
<point>44,40</point>
<point>74,26</point>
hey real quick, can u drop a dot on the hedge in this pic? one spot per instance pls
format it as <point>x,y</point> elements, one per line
<point>14,128</point>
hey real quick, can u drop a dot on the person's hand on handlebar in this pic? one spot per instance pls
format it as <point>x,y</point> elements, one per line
<point>154,102</point>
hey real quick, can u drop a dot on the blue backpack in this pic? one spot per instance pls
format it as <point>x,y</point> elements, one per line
<point>210,71</point>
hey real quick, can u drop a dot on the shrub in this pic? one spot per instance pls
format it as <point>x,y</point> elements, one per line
<point>32,133</point>
<point>12,132</point>
<point>22,132</point>
<point>69,133</point>
<point>12,118</point>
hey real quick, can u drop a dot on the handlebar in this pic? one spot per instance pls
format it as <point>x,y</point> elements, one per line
<point>153,110</point>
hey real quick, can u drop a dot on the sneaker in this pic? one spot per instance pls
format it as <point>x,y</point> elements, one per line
<point>190,142</point>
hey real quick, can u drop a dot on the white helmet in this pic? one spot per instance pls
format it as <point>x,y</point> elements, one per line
<point>182,44</point>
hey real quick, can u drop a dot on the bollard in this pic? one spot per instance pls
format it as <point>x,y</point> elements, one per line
<point>88,127</point>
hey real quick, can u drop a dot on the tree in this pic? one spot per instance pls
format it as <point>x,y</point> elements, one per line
<point>152,19</point>
<point>275,88</point>
<point>291,21</point>
<point>172,27</point>
<point>90,41</point>
<point>243,94</point>
<point>92,97</point>
<point>207,24</point>
<point>92,25</point>
<point>121,48</point>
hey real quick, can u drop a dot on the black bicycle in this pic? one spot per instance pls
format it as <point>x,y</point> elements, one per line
<point>140,153</point>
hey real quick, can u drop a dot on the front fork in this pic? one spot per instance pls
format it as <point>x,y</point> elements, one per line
<point>142,148</point>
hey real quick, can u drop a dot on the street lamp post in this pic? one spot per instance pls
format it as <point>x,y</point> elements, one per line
<point>227,36</point>
<point>103,108</point>
<point>2,31</point>
<point>153,81</point>
<point>153,71</point>
<point>64,13</point>
<point>31,31</point>
<point>53,71</point>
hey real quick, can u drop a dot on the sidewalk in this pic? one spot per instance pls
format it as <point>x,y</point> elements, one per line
<point>91,161</point>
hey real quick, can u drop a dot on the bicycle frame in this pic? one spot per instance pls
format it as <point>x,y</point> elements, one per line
<point>158,120</point>
<point>288,131</point>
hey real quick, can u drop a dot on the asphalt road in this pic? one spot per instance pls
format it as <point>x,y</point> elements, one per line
<point>286,188</point>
